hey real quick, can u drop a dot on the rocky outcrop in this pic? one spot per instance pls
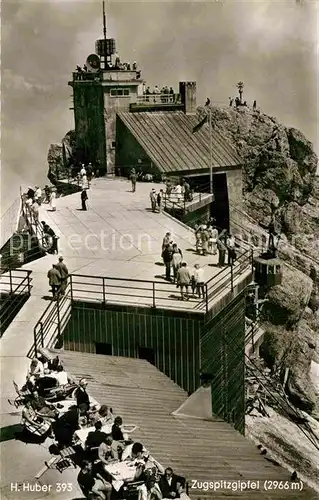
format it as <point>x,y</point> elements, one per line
<point>286,302</point>
<point>61,157</point>
<point>279,174</point>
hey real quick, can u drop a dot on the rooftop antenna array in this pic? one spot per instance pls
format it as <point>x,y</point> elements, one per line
<point>105,48</point>
<point>104,21</point>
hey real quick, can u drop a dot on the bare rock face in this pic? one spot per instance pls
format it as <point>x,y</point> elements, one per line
<point>299,386</point>
<point>287,302</point>
<point>60,158</point>
<point>293,349</point>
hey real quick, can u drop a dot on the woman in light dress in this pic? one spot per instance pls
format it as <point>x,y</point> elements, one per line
<point>212,242</point>
<point>53,200</point>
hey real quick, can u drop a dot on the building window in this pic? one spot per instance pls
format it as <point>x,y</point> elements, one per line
<point>113,144</point>
<point>120,92</point>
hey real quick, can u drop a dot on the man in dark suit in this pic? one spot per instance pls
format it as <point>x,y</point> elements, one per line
<point>171,485</point>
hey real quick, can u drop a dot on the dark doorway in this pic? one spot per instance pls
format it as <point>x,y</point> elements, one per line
<point>101,348</point>
<point>147,353</point>
<point>220,205</point>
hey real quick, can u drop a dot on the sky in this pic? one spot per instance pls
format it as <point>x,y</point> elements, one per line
<point>272,46</point>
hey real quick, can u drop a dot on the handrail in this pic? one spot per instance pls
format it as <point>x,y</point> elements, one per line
<point>22,288</point>
<point>104,289</point>
<point>49,327</point>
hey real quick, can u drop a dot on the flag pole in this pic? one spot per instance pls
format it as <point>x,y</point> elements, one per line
<point>210,152</point>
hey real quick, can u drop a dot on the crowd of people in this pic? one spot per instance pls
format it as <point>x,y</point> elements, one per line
<point>105,443</point>
<point>34,198</point>
<point>208,241</point>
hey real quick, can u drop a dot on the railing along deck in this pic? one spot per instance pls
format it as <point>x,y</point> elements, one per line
<point>135,293</point>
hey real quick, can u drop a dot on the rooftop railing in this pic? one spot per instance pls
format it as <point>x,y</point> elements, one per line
<point>85,76</point>
<point>150,99</point>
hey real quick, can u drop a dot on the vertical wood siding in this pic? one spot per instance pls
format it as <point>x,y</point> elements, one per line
<point>174,338</point>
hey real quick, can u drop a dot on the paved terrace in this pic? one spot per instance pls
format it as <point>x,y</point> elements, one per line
<point>124,217</point>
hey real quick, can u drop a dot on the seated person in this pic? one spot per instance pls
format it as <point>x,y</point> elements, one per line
<point>117,433</point>
<point>92,483</point>
<point>33,422</point>
<point>171,485</point>
<point>42,407</point>
<point>54,363</point>
<point>82,397</point>
<point>149,490</point>
<point>45,363</point>
<point>104,415</point>
<point>136,452</point>
<point>65,426</point>
<point>44,384</point>
<point>35,371</point>
<point>60,375</point>
<point>96,437</point>
<point>107,452</point>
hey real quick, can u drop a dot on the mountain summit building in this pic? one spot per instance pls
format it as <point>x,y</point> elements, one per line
<point>120,124</point>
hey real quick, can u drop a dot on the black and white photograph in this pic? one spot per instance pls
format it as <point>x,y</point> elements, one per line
<point>159,254</point>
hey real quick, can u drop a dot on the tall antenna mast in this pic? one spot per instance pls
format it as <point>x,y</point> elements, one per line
<point>104,21</point>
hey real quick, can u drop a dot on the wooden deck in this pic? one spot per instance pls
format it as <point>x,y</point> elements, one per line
<point>203,450</point>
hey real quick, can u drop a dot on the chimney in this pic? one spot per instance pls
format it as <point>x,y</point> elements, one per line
<point>187,91</point>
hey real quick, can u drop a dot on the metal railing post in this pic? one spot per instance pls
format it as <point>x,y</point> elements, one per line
<point>71,287</point>
<point>10,278</point>
<point>206,297</point>
<point>42,336</point>
<point>231,277</point>
<point>58,315</point>
<point>29,284</point>
<point>154,298</point>
<point>103,285</point>
<point>35,341</point>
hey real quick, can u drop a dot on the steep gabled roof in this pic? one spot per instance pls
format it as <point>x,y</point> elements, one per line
<point>205,450</point>
<point>168,140</point>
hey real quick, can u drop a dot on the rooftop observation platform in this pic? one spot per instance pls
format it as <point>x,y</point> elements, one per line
<point>114,250</point>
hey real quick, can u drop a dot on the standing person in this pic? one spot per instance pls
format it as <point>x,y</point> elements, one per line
<point>177,258</point>
<point>166,240</point>
<point>204,239</point>
<point>230,244</point>
<point>53,200</point>
<point>47,192</point>
<point>63,270</point>
<point>84,198</point>
<point>178,192</point>
<point>169,188</point>
<point>167,258</point>
<point>160,197</point>
<point>153,200</point>
<point>199,281</point>
<point>254,105</point>
<point>133,178</point>
<point>48,231</point>
<point>222,251</point>
<point>54,281</point>
<point>198,237</point>
<point>38,195</point>
<point>30,193</point>
<point>35,211</point>
<point>89,173</point>
<point>82,171</point>
<point>187,189</point>
<point>82,397</point>
<point>183,279</point>
<point>212,242</point>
